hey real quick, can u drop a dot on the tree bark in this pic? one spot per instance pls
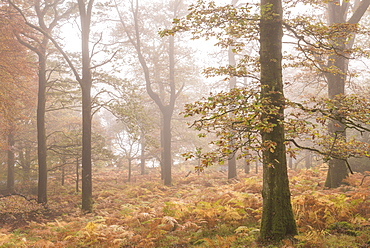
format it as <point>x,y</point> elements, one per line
<point>277,214</point>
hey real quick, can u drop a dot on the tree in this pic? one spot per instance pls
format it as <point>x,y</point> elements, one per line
<point>135,118</point>
<point>337,15</point>
<point>166,104</point>
<point>277,215</point>
<point>256,112</point>
<point>263,108</point>
<point>85,10</point>
<point>17,85</point>
<point>48,16</point>
<point>85,81</point>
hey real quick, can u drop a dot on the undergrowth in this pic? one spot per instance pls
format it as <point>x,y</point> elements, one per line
<point>203,210</point>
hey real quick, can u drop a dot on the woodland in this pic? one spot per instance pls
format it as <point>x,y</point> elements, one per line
<point>183,123</point>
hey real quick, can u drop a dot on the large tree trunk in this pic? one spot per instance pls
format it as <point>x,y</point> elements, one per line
<point>336,85</point>
<point>11,162</point>
<point>277,214</point>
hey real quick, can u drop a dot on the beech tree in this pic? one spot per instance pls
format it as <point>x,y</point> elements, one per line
<point>277,214</point>
<point>338,12</point>
<point>256,112</point>
<point>164,101</point>
<point>327,49</point>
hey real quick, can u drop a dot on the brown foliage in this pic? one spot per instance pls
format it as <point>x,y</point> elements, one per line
<point>203,210</point>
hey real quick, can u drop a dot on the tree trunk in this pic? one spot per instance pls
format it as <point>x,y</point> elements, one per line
<point>63,175</point>
<point>142,155</point>
<point>11,162</point>
<point>167,160</point>
<point>290,162</point>
<point>308,159</point>
<point>277,214</point>
<point>77,175</point>
<point>336,84</point>
<point>337,13</point>
<point>86,83</point>
<point>247,166</point>
<point>41,132</point>
<point>232,172</point>
<point>26,164</point>
<point>129,170</point>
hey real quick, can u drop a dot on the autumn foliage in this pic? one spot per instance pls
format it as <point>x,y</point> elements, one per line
<point>203,210</point>
<point>17,74</point>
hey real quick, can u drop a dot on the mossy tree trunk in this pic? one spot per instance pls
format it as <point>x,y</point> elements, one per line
<point>277,215</point>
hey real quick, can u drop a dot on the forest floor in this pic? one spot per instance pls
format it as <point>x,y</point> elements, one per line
<point>205,210</point>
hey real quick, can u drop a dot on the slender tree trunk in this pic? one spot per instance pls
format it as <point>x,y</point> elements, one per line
<point>63,175</point>
<point>86,83</point>
<point>162,147</point>
<point>11,162</point>
<point>142,155</point>
<point>129,170</point>
<point>277,214</point>
<point>27,164</point>
<point>41,132</point>
<point>232,171</point>
<point>77,175</point>
<point>167,160</point>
